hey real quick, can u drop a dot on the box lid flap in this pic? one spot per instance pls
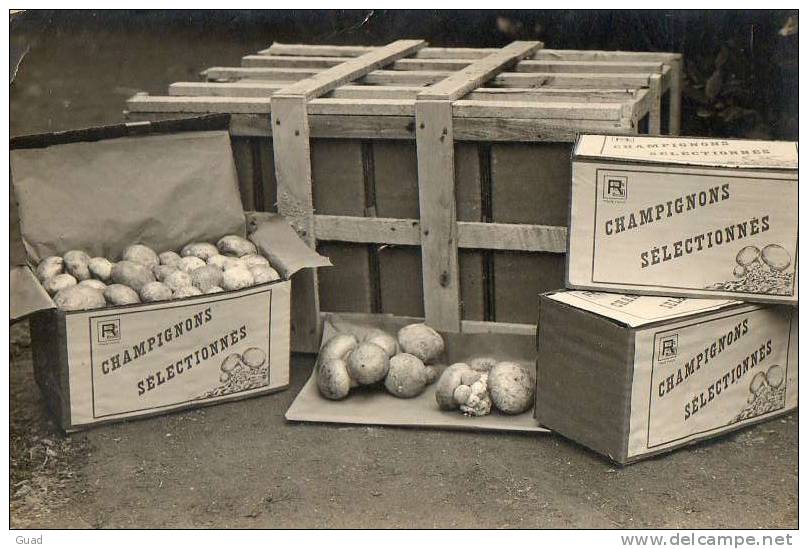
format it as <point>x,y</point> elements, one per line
<point>280,243</point>
<point>162,190</point>
<point>635,310</point>
<point>693,151</point>
<point>27,294</point>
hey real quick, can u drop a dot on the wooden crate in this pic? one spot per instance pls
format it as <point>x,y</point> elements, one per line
<point>437,179</point>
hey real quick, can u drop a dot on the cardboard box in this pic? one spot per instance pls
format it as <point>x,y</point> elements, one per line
<point>688,217</point>
<point>98,190</point>
<point>633,376</point>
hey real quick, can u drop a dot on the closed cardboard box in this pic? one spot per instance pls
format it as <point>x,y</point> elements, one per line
<point>633,376</point>
<point>688,217</point>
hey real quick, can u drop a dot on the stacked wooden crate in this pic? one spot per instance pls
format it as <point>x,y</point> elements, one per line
<point>437,179</point>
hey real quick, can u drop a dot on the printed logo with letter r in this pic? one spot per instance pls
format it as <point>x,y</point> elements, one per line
<point>108,330</point>
<point>668,347</point>
<point>615,188</point>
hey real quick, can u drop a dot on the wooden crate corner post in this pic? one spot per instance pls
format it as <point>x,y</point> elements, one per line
<point>436,181</point>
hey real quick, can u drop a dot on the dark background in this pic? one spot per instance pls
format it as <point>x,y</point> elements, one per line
<point>80,66</point>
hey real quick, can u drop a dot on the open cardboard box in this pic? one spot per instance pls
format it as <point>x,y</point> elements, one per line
<point>375,406</point>
<point>169,184</point>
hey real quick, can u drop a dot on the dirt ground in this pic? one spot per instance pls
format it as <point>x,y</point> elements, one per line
<point>241,465</point>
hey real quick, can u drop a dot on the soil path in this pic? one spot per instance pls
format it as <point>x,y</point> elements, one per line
<point>241,465</point>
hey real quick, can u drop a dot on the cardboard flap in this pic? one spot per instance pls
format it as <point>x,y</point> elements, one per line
<point>161,190</point>
<point>635,310</point>
<point>280,243</point>
<point>692,151</point>
<point>27,294</point>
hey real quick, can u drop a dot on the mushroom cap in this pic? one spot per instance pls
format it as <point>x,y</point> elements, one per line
<point>368,363</point>
<point>140,253</point>
<point>383,340</point>
<point>236,245</point>
<point>169,258</point>
<point>512,387</point>
<point>333,379</point>
<point>132,274</point>
<point>202,250</point>
<point>422,341</point>
<point>50,267</point>
<point>406,376</point>
<point>119,294</point>
<point>155,291</point>
<point>59,282</point>
<point>338,346</point>
<point>450,379</point>
<point>78,298</point>
<point>100,268</point>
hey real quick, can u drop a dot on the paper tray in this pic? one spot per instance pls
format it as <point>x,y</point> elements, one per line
<point>374,406</point>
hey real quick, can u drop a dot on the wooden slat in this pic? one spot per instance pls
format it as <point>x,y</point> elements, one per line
<point>301,62</point>
<point>372,107</point>
<point>470,178</point>
<point>403,127</point>
<point>471,53</point>
<point>355,51</point>
<point>267,89</point>
<point>263,73</point>
<point>378,107</point>
<point>511,109</point>
<point>531,129</point>
<point>603,55</point>
<point>331,78</point>
<point>513,328</point>
<point>363,127</point>
<point>588,66</point>
<point>571,80</point>
<point>467,326</point>
<point>675,90</point>
<point>430,78</point>
<point>436,197</point>
<point>405,78</point>
<point>553,94</point>
<point>224,89</point>
<point>317,50</point>
<point>471,234</point>
<point>377,77</point>
<point>208,104</point>
<point>349,91</point>
<point>291,143</point>
<point>321,63</point>
<point>455,53</point>
<point>655,92</point>
<point>515,237</point>
<point>368,230</point>
<point>473,76</point>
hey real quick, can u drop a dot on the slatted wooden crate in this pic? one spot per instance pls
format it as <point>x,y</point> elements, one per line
<point>437,179</point>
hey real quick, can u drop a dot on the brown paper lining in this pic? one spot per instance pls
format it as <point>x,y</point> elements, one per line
<point>374,406</point>
<point>160,190</point>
